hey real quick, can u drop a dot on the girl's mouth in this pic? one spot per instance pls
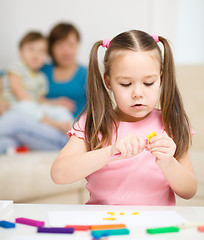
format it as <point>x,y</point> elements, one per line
<point>138,106</point>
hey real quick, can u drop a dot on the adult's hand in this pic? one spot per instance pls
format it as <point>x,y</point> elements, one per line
<point>62,126</point>
<point>67,103</point>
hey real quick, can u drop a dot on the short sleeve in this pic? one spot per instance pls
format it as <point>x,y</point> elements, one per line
<point>79,128</point>
<point>16,68</point>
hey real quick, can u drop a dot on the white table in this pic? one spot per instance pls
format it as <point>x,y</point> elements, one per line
<point>40,212</point>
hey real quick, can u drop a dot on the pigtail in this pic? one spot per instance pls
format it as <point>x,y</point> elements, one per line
<point>174,117</point>
<point>100,113</point>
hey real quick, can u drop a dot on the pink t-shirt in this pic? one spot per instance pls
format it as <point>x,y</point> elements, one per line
<point>134,181</point>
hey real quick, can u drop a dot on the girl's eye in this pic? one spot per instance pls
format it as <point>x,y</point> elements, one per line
<point>148,84</point>
<point>125,84</point>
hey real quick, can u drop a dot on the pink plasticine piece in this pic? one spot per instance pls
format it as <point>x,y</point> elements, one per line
<point>115,155</point>
<point>30,222</point>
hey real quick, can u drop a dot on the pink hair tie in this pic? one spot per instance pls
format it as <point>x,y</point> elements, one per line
<point>156,38</point>
<point>106,43</point>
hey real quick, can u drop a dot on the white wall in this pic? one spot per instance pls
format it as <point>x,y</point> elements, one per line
<point>98,19</point>
<point>190,32</point>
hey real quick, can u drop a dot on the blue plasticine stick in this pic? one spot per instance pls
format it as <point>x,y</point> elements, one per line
<point>102,233</point>
<point>6,224</point>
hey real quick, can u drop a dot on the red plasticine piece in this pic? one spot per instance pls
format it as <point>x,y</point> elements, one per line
<point>201,228</point>
<point>22,149</point>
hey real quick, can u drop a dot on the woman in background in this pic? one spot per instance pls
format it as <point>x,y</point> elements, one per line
<point>67,78</point>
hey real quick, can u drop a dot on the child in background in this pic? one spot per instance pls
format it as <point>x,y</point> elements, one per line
<point>143,173</point>
<point>25,87</point>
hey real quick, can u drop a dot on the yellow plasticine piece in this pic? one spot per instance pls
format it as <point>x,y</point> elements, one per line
<point>110,218</point>
<point>111,213</point>
<point>135,213</point>
<point>122,213</point>
<point>151,135</point>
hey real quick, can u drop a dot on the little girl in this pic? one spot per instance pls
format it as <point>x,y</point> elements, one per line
<point>108,144</point>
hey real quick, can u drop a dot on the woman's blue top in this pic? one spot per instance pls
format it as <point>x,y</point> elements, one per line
<point>74,88</point>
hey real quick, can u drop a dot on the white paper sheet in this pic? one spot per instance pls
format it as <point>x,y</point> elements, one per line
<point>6,210</point>
<point>145,219</point>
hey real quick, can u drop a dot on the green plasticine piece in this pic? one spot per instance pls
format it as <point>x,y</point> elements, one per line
<point>162,230</point>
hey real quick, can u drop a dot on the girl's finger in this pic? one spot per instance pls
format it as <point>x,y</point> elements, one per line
<point>162,150</point>
<point>129,147</point>
<point>122,148</point>
<point>142,144</point>
<point>135,146</point>
<point>168,143</point>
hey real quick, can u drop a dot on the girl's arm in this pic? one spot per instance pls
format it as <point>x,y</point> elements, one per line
<point>181,176</point>
<point>17,87</point>
<point>179,173</point>
<point>74,161</point>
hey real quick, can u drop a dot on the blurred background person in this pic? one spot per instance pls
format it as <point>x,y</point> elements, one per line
<point>25,86</point>
<point>66,88</point>
<point>67,78</point>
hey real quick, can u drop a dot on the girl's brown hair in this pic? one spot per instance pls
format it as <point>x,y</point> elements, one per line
<point>60,32</point>
<point>101,117</point>
<point>31,37</point>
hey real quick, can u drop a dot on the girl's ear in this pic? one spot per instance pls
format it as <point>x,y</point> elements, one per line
<point>107,82</point>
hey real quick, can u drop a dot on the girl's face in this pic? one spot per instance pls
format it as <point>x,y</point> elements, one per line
<point>34,53</point>
<point>135,82</point>
<point>65,50</point>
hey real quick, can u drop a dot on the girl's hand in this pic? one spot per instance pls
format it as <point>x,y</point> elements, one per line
<point>128,146</point>
<point>163,148</point>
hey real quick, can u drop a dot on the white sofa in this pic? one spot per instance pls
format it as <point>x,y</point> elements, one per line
<point>26,178</point>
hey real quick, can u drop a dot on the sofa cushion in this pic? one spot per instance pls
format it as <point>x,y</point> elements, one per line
<point>26,176</point>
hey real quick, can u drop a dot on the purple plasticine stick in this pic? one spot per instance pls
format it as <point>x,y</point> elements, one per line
<point>30,222</point>
<point>55,230</point>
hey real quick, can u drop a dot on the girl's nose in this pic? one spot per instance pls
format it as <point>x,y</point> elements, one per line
<point>137,92</point>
